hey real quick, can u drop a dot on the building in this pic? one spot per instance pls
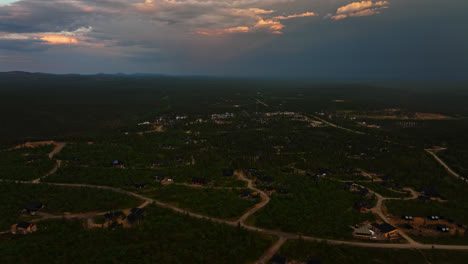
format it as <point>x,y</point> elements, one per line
<point>23,228</point>
<point>386,229</point>
<point>32,208</point>
<point>228,172</point>
<point>364,232</point>
<point>136,216</point>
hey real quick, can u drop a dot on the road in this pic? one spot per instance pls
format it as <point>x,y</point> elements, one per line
<point>250,185</point>
<point>282,236</point>
<point>441,162</point>
<point>58,147</point>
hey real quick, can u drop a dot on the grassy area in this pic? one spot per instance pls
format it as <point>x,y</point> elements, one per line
<point>321,209</point>
<point>58,199</point>
<point>164,237</point>
<point>300,250</point>
<point>211,202</point>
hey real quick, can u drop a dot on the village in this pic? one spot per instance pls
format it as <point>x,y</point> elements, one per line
<point>187,169</point>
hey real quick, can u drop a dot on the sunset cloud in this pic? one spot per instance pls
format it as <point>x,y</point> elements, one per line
<point>50,38</point>
<point>357,9</point>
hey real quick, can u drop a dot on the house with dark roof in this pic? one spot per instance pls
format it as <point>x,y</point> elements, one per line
<point>114,215</point>
<point>278,259</point>
<point>228,172</point>
<point>385,229</point>
<point>140,185</point>
<point>23,228</point>
<point>199,181</point>
<point>136,216</point>
<point>311,260</point>
<point>32,207</point>
<point>117,163</point>
<point>158,177</point>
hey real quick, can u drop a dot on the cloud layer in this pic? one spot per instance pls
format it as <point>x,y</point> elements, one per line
<point>358,9</point>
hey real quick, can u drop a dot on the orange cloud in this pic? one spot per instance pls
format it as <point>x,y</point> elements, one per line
<point>222,31</point>
<point>271,25</point>
<point>58,39</point>
<point>306,14</point>
<point>363,8</point>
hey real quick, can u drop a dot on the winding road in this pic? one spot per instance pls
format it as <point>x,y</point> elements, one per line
<point>282,236</point>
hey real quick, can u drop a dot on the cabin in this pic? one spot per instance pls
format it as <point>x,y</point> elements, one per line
<point>23,228</point>
<point>114,215</point>
<point>348,186</point>
<point>245,193</point>
<point>265,178</point>
<point>117,163</point>
<point>282,190</point>
<point>140,185</point>
<point>364,191</point>
<point>362,206</point>
<point>278,259</point>
<point>408,226</point>
<point>424,198</point>
<point>32,208</point>
<point>199,181</point>
<point>136,216</point>
<point>386,229</point>
<point>311,260</point>
<point>158,177</point>
<point>227,172</point>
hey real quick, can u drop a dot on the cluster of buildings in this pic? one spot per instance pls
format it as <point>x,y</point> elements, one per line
<point>26,227</point>
<point>376,231</point>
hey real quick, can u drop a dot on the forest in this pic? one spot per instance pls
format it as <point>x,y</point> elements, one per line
<point>57,200</point>
<point>164,237</point>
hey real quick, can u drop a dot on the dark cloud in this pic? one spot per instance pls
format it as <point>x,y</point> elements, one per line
<point>23,45</point>
<point>406,39</point>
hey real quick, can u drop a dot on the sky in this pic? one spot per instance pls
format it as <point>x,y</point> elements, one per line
<point>316,39</point>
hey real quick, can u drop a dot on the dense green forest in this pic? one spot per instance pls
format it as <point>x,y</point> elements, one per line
<point>270,131</point>
<point>211,202</point>
<point>320,209</point>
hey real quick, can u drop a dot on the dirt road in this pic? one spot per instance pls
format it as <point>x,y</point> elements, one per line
<point>441,162</point>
